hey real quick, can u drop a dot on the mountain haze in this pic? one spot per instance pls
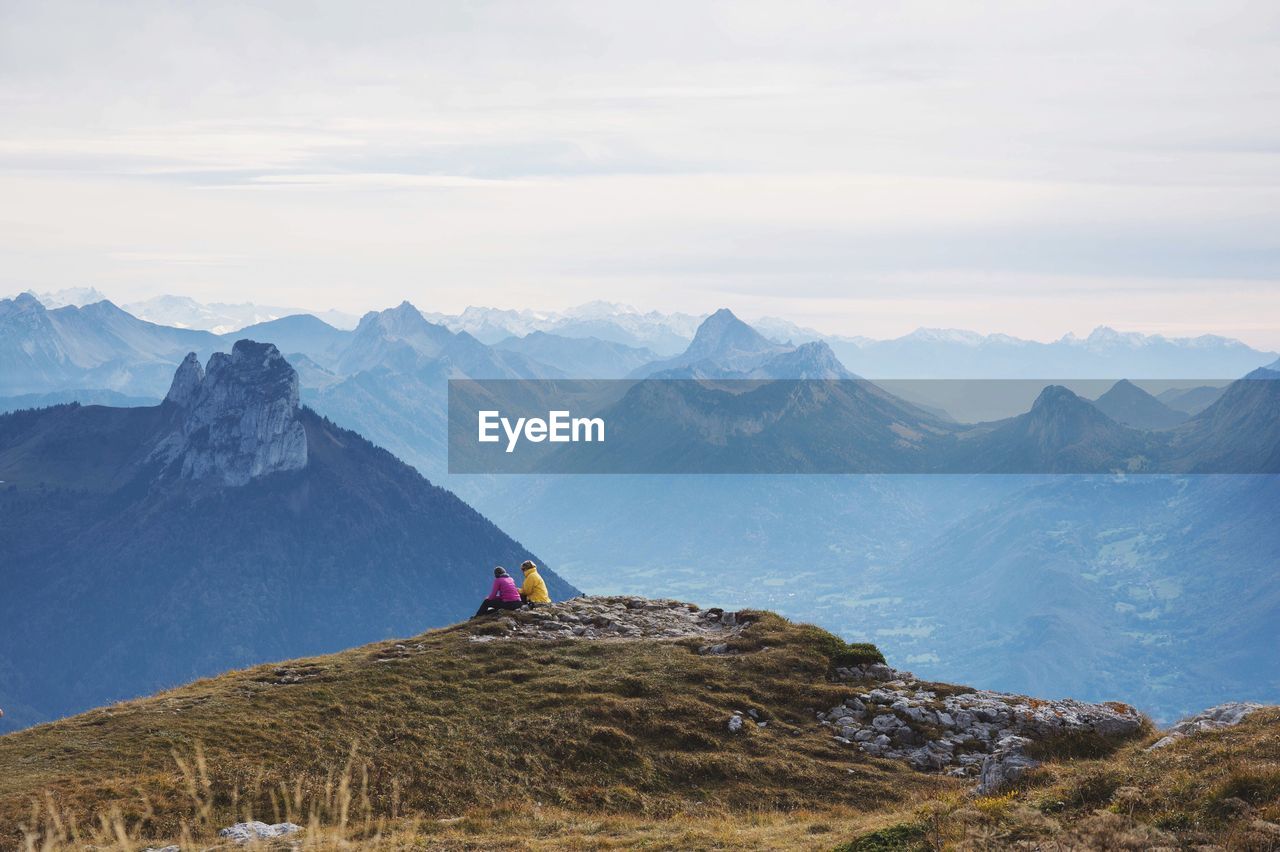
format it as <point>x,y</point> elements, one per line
<point>226,526</point>
<point>1130,405</point>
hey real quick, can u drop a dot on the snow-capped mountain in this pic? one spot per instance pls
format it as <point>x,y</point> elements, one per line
<point>664,334</point>
<point>221,317</point>
<point>76,297</point>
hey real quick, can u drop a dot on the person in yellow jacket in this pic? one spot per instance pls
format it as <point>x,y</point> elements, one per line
<point>534,590</point>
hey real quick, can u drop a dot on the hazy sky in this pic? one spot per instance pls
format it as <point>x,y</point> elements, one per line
<point>865,168</point>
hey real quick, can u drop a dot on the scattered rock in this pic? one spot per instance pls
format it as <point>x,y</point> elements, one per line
<point>244,832</point>
<point>589,617</point>
<point>735,723</point>
<point>1222,716</point>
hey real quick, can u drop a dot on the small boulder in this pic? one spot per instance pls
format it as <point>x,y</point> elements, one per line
<point>245,832</point>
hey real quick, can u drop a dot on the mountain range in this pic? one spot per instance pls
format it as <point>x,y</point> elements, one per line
<point>923,354</point>
<point>817,548</point>
<point>735,402</point>
<point>226,526</point>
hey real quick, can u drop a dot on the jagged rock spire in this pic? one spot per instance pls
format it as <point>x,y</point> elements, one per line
<point>239,416</point>
<point>186,381</point>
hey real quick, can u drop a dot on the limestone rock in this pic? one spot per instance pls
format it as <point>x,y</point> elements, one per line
<point>237,419</point>
<point>1221,716</point>
<point>905,721</point>
<point>617,617</point>
<point>186,382</point>
<point>245,832</point>
<point>1004,766</point>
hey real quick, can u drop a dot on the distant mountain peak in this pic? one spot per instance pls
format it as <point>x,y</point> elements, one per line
<point>25,302</point>
<point>73,296</point>
<point>813,361</point>
<point>1054,396</point>
<point>238,417</point>
<point>723,333</point>
<point>401,314</point>
<point>947,335</point>
<point>1130,405</point>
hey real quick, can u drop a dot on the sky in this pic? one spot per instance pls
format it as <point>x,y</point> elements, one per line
<point>857,167</point>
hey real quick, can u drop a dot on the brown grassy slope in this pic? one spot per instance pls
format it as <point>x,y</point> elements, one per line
<point>444,726</point>
<point>1213,790</point>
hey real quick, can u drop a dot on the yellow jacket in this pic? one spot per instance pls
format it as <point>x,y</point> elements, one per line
<point>534,589</point>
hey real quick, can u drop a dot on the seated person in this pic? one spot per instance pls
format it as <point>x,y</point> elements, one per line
<point>534,590</point>
<point>502,595</point>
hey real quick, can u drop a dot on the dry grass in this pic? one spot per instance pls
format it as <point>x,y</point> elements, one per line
<point>445,726</point>
<point>1216,790</point>
<point>448,743</point>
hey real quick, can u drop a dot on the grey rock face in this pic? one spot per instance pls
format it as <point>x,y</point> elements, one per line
<point>186,382</point>
<point>1004,766</point>
<point>1221,716</point>
<point>966,731</point>
<point>238,419</point>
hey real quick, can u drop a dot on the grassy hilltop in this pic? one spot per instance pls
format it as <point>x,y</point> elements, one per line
<point>471,737</point>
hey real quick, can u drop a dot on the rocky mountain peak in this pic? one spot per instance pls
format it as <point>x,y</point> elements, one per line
<point>723,334</point>
<point>1130,405</point>
<point>20,304</point>
<point>186,381</point>
<point>813,360</point>
<point>238,417</point>
<point>1054,398</point>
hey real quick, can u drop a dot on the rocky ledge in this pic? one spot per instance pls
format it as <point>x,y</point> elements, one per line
<point>619,617</point>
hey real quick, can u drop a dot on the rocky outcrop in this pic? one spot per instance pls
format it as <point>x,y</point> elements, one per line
<point>967,733</point>
<point>590,617</point>
<point>237,419</point>
<point>889,714</point>
<point>1215,718</point>
<point>1005,766</point>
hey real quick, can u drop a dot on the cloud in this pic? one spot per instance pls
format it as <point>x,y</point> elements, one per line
<point>674,155</point>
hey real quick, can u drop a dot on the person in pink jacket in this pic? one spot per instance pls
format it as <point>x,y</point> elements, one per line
<point>503,594</point>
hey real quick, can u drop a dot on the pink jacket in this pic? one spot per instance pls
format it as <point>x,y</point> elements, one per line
<point>504,589</point>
